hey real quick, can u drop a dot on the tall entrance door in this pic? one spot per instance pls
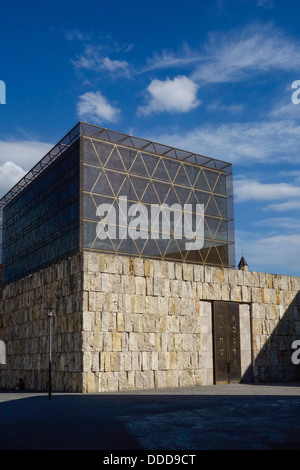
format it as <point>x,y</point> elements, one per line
<point>227,354</point>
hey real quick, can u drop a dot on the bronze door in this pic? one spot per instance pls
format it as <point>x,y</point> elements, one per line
<point>227,357</point>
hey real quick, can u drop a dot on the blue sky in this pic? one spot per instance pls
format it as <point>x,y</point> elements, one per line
<point>212,77</point>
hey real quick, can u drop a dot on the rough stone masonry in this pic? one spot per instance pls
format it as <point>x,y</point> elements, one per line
<point>124,323</point>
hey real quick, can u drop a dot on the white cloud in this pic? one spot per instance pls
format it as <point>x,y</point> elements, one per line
<point>10,174</point>
<point>251,190</point>
<point>270,141</point>
<point>258,48</point>
<point>17,158</point>
<point>235,55</point>
<point>279,223</point>
<point>279,253</point>
<point>168,59</point>
<point>93,106</point>
<point>94,60</point>
<point>177,95</point>
<point>24,154</point>
<point>285,206</point>
<point>116,66</point>
<point>265,3</point>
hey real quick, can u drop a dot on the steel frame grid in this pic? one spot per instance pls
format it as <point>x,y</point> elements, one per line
<point>81,130</point>
<point>122,142</point>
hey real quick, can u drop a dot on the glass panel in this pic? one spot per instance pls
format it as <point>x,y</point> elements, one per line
<point>114,161</point>
<point>103,185</point>
<point>127,156</point>
<point>160,172</point>
<point>181,177</point>
<point>42,224</point>
<point>138,166</point>
<point>201,182</point>
<point>220,186</point>
<point>162,190</point>
<point>211,177</point>
<point>222,205</point>
<point>151,162</point>
<point>212,208</point>
<point>102,150</point>
<point>172,168</point>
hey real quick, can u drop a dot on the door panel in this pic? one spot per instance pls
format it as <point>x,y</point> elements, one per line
<point>227,356</point>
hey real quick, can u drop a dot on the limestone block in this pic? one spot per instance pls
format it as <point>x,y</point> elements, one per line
<point>186,378</point>
<point>125,361</point>
<point>160,378</point>
<point>98,340</point>
<point>115,284</point>
<point>171,270</point>
<point>136,360</point>
<point>120,326</point>
<point>95,301</point>
<point>128,284</point>
<point>236,293</point>
<point>149,323</point>
<point>148,341</point>
<point>188,272</point>
<point>116,341</point>
<point>133,341</point>
<point>205,359</point>
<point>154,360</point>
<point>137,322</point>
<point>205,326</point>
<point>130,380</point>
<point>178,342</point>
<point>151,305</point>
<point>178,271</point>
<point>140,283</point>
<point>87,321</point>
<point>173,324</point>
<point>144,360</point>
<point>205,309</point>
<point>124,265</point>
<point>108,382</point>
<point>205,342</point>
<point>139,267</point>
<point>158,286</point>
<point>139,304</point>
<point>148,267</point>
<point>122,380</point>
<point>198,273</point>
<point>172,378</point>
<point>246,294</point>
<point>149,286</point>
<point>113,302</point>
<point>107,320</point>
<point>107,338</point>
<point>106,286</point>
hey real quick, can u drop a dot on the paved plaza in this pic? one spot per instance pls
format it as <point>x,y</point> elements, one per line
<point>230,417</point>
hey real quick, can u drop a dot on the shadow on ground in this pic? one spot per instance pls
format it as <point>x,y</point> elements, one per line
<point>202,418</point>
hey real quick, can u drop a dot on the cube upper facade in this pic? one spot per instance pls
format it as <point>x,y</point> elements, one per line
<point>101,190</point>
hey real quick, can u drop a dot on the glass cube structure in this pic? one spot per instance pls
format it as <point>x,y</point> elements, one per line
<point>104,191</point>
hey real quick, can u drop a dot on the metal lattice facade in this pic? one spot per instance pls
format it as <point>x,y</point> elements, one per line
<point>54,210</point>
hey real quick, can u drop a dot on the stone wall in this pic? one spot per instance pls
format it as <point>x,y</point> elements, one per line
<point>124,323</point>
<point>147,323</point>
<point>24,326</point>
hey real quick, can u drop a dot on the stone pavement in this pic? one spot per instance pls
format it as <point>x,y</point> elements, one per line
<point>231,417</point>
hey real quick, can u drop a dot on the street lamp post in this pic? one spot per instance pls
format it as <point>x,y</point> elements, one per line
<point>50,315</point>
